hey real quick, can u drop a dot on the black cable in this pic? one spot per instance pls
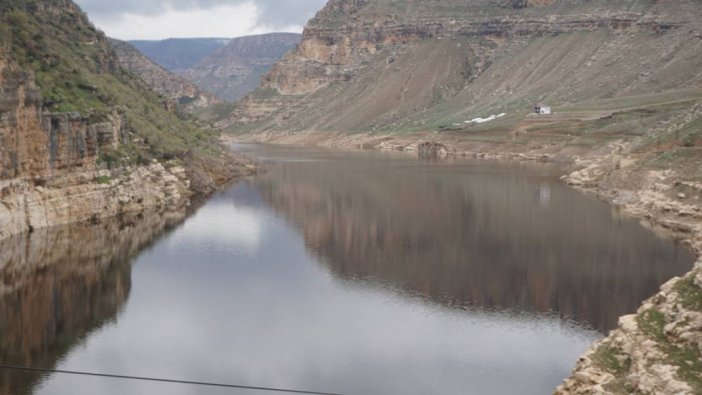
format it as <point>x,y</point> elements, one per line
<point>116,376</point>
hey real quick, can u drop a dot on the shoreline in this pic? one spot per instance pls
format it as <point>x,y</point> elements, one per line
<point>584,172</point>
<point>95,196</point>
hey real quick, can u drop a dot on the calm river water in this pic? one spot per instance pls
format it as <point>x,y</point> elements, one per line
<point>356,273</point>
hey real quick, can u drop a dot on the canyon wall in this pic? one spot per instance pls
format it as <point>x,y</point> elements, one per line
<point>388,66</point>
<point>35,142</point>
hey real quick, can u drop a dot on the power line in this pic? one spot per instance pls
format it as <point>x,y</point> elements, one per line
<point>200,383</point>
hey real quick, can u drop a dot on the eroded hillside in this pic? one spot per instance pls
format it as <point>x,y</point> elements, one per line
<point>391,66</point>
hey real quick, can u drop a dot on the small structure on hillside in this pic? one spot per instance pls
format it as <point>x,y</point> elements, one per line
<point>540,109</point>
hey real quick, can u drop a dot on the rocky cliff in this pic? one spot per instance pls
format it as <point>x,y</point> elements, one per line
<point>236,69</point>
<point>170,86</point>
<point>80,137</point>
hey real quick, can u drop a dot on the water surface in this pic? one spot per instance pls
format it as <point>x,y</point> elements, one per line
<point>358,273</point>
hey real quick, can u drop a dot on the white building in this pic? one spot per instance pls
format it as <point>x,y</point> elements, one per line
<point>542,110</point>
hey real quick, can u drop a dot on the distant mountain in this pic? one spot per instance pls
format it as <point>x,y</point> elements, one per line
<point>236,69</point>
<point>179,53</point>
<point>167,84</point>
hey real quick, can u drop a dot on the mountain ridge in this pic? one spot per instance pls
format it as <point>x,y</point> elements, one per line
<point>236,68</point>
<point>174,88</point>
<point>176,54</point>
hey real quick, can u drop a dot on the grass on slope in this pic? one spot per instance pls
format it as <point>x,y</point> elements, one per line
<point>75,71</point>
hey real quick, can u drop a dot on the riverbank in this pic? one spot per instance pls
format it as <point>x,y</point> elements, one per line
<point>646,352</point>
<point>657,349</point>
<point>29,204</point>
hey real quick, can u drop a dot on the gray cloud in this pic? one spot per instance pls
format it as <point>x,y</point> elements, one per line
<point>274,13</point>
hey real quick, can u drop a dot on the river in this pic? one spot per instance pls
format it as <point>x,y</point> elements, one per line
<point>355,273</point>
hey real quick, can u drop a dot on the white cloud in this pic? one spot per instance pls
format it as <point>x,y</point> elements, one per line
<point>227,20</point>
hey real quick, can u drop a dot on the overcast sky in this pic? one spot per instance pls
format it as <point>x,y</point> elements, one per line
<point>159,19</point>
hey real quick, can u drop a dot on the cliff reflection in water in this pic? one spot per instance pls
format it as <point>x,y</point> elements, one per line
<point>476,236</point>
<point>58,285</point>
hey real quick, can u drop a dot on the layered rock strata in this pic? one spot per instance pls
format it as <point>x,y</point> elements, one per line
<point>89,196</point>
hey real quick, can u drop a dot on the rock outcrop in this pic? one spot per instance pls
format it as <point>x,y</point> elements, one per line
<point>35,142</point>
<point>89,196</point>
<point>655,351</point>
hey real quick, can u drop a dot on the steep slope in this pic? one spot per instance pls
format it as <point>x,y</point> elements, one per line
<point>390,66</point>
<point>177,54</point>
<point>80,138</point>
<point>236,69</point>
<point>161,80</point>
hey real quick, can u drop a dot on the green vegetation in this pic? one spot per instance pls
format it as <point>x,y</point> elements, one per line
<point>75,71</point>
<point>690,294</point>
<point>615,363</point>
<point>652,322</point>
<point>103,180</point>
<point>612,360</point>
<point>687,359</point>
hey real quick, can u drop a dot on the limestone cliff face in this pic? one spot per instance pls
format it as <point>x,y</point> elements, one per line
<point>159,79</point>
<point>35,142</point>
<point>382,65</point>
<point>89,196</point>
<point>347,32</point>
<point>49,171</point>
